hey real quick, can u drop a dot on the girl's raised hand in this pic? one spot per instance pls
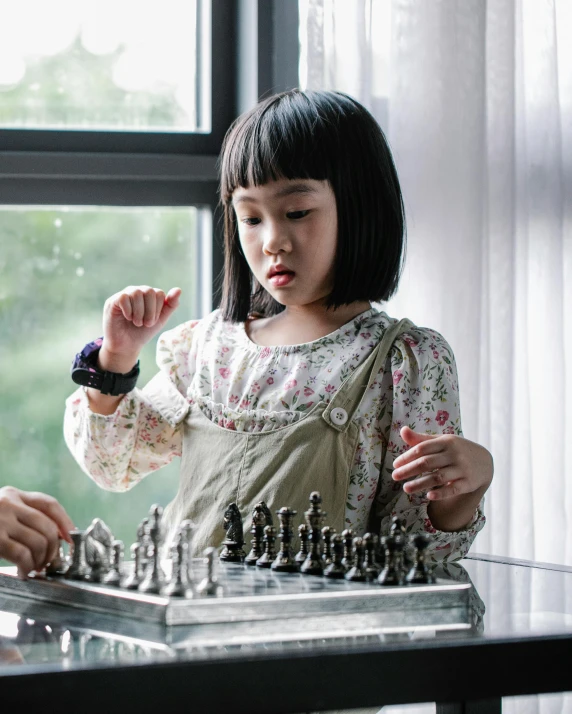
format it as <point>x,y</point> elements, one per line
<point>131,318</point>
<point>444,466</point>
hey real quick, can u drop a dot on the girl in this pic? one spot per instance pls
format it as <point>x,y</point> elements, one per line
<point>297,383</point>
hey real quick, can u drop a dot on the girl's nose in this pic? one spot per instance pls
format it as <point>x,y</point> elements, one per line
<point>276,239</point>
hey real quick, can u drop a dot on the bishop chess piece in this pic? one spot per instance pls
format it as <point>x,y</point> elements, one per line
<point>327,534</point>
<point>313,565</point>
<point>285,562</point>
<point>269,555</point>
<point>259,520</point>
<point>348,559</point>
<point>419,574</point>
<point>78,568</point>
<point>392,573</point>
<point>113,576</point>
<point>336,569</point>
<point>302,554</point>
<point>232,551</point>
<point>134,578</point>
<point>356,573</point>
<point>209,586</point>
<point>370,565</point>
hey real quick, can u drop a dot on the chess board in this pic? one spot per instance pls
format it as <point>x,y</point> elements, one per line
<point>264,604</point>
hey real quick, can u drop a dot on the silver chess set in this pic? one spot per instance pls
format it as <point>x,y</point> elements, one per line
<point>335,583</point>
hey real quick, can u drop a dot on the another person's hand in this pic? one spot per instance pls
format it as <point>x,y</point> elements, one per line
<point>131,318</point>
<point>31,526</point>
<point>444,466</point>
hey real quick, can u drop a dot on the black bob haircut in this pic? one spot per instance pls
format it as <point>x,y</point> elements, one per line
<point>323,136</point>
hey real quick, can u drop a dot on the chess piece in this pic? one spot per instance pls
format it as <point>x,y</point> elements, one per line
<point>303,535</point>
<point>98,550</point>
<point>327,534</point>
<point>392,574</point>
<point>267,513</point>
<point>348,559</point>
<point>285,562</point>
<point>313,565</point>
<point>78,568</point>
<point>336,568</point>
<point>177,585</point>
<point>113,577</point>
<point>397,528</point>
<point>232,545</point>
<point>269,555</point>
<point>154,578</point>
<point>134,578</point>
<point>419,574</point>
<point>186,530</point>
<point>209,587</point>
<point>259,520</point>
<point>143,540</point>
<point>58,566</point>
<point>357,573</point>
<point>371,568</point>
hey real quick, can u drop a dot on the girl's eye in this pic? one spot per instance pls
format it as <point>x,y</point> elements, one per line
<point>251,221</point>
<point>295,215</point>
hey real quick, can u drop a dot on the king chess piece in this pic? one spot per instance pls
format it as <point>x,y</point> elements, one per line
<point>259,521</point>
<point>313,565</point>
<point>419,574</point>
<point>232,551</point>
<point>285,562</point>
<point>336,569</point>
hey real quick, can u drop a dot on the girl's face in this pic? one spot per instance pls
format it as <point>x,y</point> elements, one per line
<point>288,232</point>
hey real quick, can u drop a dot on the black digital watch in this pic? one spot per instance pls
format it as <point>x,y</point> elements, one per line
<point>84,371</point>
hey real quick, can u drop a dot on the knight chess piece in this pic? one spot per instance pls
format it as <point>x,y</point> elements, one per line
<point>269,555</point>
<point>327,534</point>
<point>302,554</point>
<point>392,574</point>
<point>356,573</point>
<point>259,520</point>
<point>98,550</point>
<point>113,577</point>
<point>313,565</point>
<point>336,568</point>
<point>420,574</point>
<point>285,562</point>
<point>209,586</point>
<point>134,578</point>
<point>348,559</point>
<point>232,551</point>
<point>78,568</point>
<point>371,568</point>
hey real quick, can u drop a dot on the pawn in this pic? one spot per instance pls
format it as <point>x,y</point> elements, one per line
<point>370,565</point>
<point>259,520</point>
<point>209,586</point>
<point>303,535</point>
<point>348,559</point>
<point>113,577</point>
<point>186,532</point>
<point>327,534</point>
<point>336,569</point>
<point>269,555</point>
<point>58,566</point>
<point>177,585</point>
<point>153,580</point>
<point>285,561</point>
<point>392,574</point>
<point>134,578</point>
<point>420,573</point>
<point>357,573</point>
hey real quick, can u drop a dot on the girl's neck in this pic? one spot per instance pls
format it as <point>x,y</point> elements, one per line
<point>297,325</point>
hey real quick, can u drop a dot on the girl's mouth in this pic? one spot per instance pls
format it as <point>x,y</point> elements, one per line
<point>279,280</point>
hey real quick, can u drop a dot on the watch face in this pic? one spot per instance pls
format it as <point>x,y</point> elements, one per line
<point>87,358</point>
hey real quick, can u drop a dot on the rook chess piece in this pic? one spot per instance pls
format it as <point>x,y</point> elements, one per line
<point>259,520</point>
<point>232,545</point>
<point>303,535</point>
<point>78,568</point>
<point>357,573</point>
<point>370,565</point>
<point>285,561</point>
<point>313,565</point>
<point>269,555</point>
<point>336,568</point>
<point>420,573</point>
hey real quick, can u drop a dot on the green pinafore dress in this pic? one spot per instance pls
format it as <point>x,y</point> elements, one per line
<point>281,467</point>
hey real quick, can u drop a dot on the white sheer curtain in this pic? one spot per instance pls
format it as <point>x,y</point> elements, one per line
<point>476,101</point>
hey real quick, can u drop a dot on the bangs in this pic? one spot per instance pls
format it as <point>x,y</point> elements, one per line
<point>284,137</point>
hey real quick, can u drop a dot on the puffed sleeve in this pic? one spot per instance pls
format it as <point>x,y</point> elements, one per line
<point>422,392</point>
<point>144,432</point>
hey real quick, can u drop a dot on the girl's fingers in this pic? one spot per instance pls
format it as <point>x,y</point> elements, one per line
<point>422,465</point>
<point>52,509</point>
<point>436,479</point>
<point>137,307</point>
<point>149,301</point>
<point>449,490</point>
<point>171,303</point>
<point>19,555</point>
<point>39,546</point>
<point>124,302</point>
<point>159,303</point>
<point>433,446</point>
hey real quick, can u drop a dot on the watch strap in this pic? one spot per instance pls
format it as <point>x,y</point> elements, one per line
<point>85,372</point>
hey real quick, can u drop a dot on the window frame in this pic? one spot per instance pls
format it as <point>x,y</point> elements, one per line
<point>119,168</point>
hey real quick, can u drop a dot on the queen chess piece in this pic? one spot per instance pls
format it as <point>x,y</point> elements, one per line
<point>232,551</point>
<point>285,562</point>
<point>313,565</point>
<point>336,569</point>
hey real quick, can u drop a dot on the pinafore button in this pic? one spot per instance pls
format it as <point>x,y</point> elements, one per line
<point>339,416</point>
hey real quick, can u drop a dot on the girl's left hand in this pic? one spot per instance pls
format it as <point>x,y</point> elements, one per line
<point>442,465</point>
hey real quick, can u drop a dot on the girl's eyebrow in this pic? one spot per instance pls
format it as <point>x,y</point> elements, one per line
<point>286,191</point>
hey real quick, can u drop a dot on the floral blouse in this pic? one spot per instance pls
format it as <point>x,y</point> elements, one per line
<point>246,387</point>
